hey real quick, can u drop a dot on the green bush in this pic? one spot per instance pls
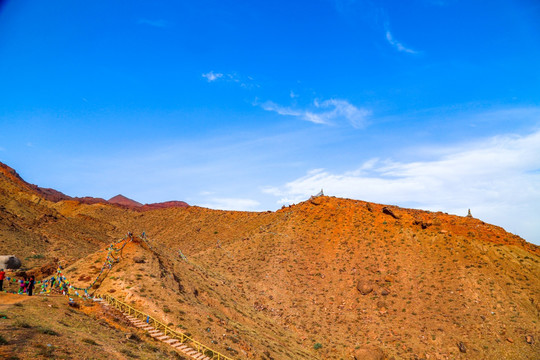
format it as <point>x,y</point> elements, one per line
<point>317,346</point>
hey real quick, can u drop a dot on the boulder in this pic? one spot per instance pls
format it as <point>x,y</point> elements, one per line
<point>9,262</point>
<point>364,287</point>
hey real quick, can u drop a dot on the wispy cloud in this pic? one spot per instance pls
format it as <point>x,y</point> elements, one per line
<point>499,179</point>
<point>211,76</point>
<point>326,112</point>
<point>245,82</point>
<point>239,204</point>
<point>396,44</point>
<point>160,23</point>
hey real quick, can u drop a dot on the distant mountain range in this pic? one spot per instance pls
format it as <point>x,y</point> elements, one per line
<point>56,196</point>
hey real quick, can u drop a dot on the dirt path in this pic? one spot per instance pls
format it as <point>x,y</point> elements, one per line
<point>10,299</point>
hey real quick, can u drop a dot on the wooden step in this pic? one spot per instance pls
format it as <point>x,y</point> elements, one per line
<point>164,337</point>
<point>171,341</point>
<point>155,335</point>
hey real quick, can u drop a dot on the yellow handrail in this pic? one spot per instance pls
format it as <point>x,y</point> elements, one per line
<point>158,325</point>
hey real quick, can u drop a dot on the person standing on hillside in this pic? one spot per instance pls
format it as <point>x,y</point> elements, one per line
<point>22,285</point>
<point>2,276</point>
<point>31,284</point>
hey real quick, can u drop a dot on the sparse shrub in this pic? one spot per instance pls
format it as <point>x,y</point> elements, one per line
<point>48,331</point>
<point>150,347</point>
<point>22,324</point>
<point>317,346</point>
<point>46,351</point>
<point>3,341</point>
<point>89,341</point>
<point>128,353</point>
<point>166,309</point>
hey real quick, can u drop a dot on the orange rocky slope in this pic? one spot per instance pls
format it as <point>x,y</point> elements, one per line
<point>327,278</point>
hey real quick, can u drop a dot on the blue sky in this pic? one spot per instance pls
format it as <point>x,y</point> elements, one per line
<point>429,104</point>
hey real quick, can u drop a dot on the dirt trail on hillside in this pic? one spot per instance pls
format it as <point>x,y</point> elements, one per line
<point>10,299</point>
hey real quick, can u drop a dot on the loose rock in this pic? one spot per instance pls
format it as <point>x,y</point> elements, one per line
<point>462,347</point>
<point>364,287</point>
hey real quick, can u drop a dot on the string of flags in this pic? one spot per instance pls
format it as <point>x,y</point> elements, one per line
<point>61,283</point>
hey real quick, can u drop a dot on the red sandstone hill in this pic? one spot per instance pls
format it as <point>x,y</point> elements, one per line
<point>57,196</point>
<point>122,200</point>
<point>328,278</point>
<point>164,205</point>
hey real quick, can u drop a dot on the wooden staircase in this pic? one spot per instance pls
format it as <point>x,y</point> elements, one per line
<point>161,332</point>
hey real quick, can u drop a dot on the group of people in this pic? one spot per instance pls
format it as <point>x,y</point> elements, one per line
<point>26,285</point>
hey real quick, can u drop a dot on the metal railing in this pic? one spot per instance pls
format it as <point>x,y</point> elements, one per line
<point>158,325</point>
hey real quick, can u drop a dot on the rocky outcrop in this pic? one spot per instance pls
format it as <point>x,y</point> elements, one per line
<point>386,210</point>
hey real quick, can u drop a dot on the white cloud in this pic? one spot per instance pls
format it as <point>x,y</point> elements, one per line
<point>238,204</point>
<point>399,46</point>
<point>211,76</point>
<point>326,112</point>
<point>155,23</point>
<point>498,179</point>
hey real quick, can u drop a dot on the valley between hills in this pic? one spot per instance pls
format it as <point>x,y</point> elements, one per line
<point>328,278</point>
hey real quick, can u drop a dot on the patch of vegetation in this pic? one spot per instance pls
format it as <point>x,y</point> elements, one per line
<point>22,324</point>
<point>48,331</point>
<point>128,353</point>
<point>89,341</point>
<point>3,341</point>
<point>317,346</point>
<point>46,351</point>
<point>150,347</point>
